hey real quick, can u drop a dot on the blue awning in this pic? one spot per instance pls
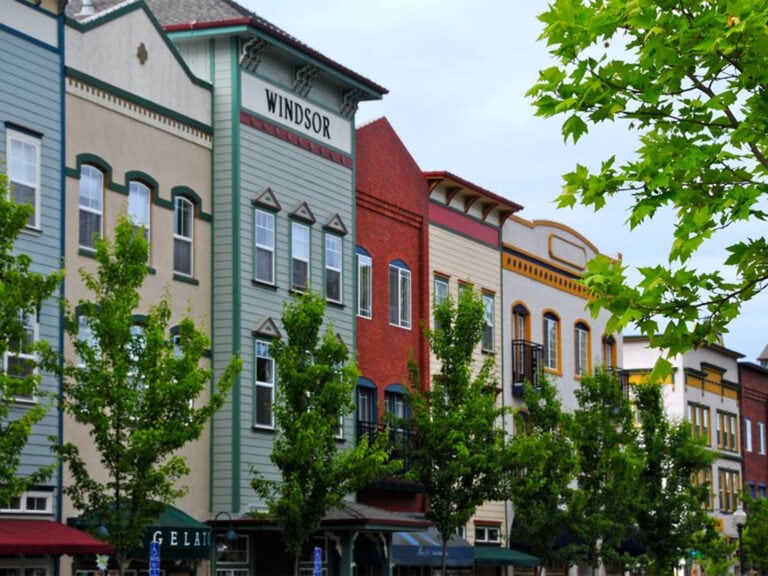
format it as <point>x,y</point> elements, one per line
<point>426,549</point>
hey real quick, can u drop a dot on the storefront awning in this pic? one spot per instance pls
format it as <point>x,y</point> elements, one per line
<point>181,537</point>
<point>426,549</point>
<point>498,556</point>
<point>47,537</point>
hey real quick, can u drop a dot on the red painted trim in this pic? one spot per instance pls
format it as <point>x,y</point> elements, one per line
<point>295,139</point>
<point>195,25</point>
<point>457,222</point>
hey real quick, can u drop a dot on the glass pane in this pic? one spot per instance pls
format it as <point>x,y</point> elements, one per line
<point>264,265</point>
<point>264,405</point>
<point>182,256</point>
<point>90,228</point>
<point>333,285</point>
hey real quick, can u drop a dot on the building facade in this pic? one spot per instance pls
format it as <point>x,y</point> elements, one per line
<point>704,389</point>
<point>753,403</point>
<point>392,297</point>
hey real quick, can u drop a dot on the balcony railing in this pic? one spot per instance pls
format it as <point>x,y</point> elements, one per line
<point>526,364</point>
<point>399,441</point>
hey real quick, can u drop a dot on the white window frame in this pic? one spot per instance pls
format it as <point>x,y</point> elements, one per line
<point>551,329</point>
<point>761,437</point>
<point>23,508</point>
<point>300,253</point>
<point>31,327</point>
<point>264,243</point>
<point>364,286</point>
<point>261,352</point>
<point>747,434</point>
<point>140,192</point>
<point>488,534</point>
<point>184,213</point>
<point>91,201</point>
<point>399,296</point>
<point>581,351</point>
<point>488,342</point>
<point>85,333</point>
<point>334,259</point>
<point>17,165</point>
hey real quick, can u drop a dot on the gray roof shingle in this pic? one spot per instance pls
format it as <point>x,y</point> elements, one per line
<point>179,13</point>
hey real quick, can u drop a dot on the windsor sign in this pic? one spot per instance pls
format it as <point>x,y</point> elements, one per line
<point>296,113</point>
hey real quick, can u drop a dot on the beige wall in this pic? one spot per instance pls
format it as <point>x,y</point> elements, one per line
<point>128,138</point>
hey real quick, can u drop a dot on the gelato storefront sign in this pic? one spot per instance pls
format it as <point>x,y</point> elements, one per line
<point>180,536</point>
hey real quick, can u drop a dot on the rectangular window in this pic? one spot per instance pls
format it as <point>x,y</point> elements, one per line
<point>488,339</point>
<point>23,162</point>
<point>265,385</point>
<point>138,206</point>
<point>761,437</point>
<point>183,236</point>
<point>333,264</point>
<point>399,296</point>
<point>488,534</point>
<point>440,295</point>
<point>20,358</point>
<point>727,435</point>
<point>729,485</point>
<point>704,478</point>
<point>299,256</point>
<point>609,351</point>
<point>748,434</point>
<point>364,285</point>
<point>699,419</point>
<point>86,335</point>
<point>265,246</point>
<point>581,337</point>
<point>91,205</point>
<point>551,332</point>
<point>30,503</point>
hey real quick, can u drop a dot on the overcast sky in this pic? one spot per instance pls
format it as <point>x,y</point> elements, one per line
<point>457,72</point>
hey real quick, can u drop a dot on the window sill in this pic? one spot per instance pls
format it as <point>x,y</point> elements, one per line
<point>265,429</point>
<point>334,304</point>
<point>87,252</point>
<point>262,284</point>
<point>186,279</point>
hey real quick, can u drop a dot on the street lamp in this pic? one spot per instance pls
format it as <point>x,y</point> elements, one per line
<point>740,519</point>
<point>216,548</point>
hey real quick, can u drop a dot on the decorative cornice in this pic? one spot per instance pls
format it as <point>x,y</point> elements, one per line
<point>544,275</point>
<point>303,78</point>
<point>132,108</point>
<point>250,56</point>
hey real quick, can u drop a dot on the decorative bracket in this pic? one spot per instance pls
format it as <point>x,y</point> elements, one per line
<point>250,56</point>
<point>303,76</point>
<point>349,101</point>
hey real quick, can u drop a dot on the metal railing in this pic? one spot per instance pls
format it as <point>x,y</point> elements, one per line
<point>526,364</point>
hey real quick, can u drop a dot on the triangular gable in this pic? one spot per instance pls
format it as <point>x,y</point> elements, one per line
<point>126,48</point>
<point>267,199</point>
<point>303,212</point>
<point>336,224</point>
<point>268,329</point>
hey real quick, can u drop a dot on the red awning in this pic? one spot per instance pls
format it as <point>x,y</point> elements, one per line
<point>47,537</point>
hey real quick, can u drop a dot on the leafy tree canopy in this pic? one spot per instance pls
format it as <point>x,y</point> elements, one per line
<point>135,388</point>
<point>314,393</point>
<point>690,79</point>
<point>461,451</point>
<point>22,292</point>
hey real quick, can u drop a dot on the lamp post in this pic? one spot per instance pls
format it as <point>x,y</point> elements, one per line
<point>230,536</point>
<point>740,519</point>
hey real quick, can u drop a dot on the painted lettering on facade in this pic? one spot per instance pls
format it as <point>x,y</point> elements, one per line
<point>284,108</point>
<point>292,111</point>
<point>182,538</point>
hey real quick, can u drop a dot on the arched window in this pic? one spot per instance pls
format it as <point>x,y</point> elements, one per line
<point>551,331</point>
<point>581,340</point>
<point>91,206</point>
<point>138,206</point>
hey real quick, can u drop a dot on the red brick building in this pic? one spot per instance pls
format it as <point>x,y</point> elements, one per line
<point>754,418</point>
<point>392,293</point>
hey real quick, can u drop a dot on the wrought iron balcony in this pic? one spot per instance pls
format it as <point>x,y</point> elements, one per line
<point>526,364</point>
<point>399,441</point>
